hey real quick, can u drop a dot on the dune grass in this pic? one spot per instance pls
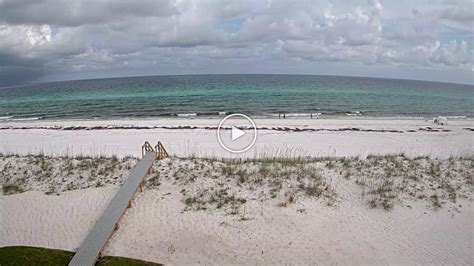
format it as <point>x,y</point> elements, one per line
<point>20,255</point>
<point>384,180</point>
<point>226,184</point>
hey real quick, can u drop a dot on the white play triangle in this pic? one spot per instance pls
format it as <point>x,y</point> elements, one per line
<point>236,133</point>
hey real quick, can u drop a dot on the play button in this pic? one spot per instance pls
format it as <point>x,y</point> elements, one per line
<point>236,133</point>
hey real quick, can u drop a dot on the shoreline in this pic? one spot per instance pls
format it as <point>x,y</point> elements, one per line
<point>185,137</point>
<point>191,117</point>
<point>390,125</point>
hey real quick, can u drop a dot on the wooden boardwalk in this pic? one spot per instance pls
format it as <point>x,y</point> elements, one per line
<point>90,249</point>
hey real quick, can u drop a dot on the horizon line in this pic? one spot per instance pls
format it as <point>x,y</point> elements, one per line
<point>233,74</point>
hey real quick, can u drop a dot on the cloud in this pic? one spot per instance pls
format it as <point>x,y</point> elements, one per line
<point>15,70</point>
<point>50,39</point>
<point>453,54</point>
<point>26,52</point>
<point>80,12</point>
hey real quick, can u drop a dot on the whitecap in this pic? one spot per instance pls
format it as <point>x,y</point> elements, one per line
<point>187,115</point>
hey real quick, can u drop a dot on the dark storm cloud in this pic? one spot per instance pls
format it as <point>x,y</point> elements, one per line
<point>14,69</point>
<point>50,39</point>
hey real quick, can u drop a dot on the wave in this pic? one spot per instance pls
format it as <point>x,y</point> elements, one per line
<point>195,114</point>
<point>356,113</point>
<point>302,114</point>
<point>5,117</point>
<point>220,114</point>
<point>297,115</point>
<point>291,114</point>
<point>13,119</point>
<point>187,115</point>
<point>212,114</point>
<point>453,117</point>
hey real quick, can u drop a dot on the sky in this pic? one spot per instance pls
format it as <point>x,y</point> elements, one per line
<point>50,40</point>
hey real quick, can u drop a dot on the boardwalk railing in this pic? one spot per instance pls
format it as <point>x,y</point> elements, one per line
<point>146,148</point>
<point>159,149</point>
<point>91,248</point>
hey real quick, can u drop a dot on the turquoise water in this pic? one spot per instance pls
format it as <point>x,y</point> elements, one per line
<point>258,95</point>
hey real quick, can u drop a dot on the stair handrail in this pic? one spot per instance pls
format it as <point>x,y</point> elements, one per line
<point>146,148</point>
<point>160,151</point>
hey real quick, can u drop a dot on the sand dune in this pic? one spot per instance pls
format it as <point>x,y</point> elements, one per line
<point>156,229</point>
<point>183,216</point>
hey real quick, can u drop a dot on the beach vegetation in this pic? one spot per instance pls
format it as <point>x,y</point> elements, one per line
<point>114,159</point>
<point>9,189</point>
<point>330,165</point>
<point>242,175</point>
<point>436,201</point>
<point>154,181</point>
<point>385,181</point>
<point>227,169</point>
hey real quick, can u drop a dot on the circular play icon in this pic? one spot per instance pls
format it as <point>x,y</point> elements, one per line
<point>236,133</point>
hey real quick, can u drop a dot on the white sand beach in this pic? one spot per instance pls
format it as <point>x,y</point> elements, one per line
<point>412,137</point>
<point>156,229</point>
<point>395,209</point>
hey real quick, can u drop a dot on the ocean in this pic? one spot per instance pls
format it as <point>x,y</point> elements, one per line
<point>216,95</point>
